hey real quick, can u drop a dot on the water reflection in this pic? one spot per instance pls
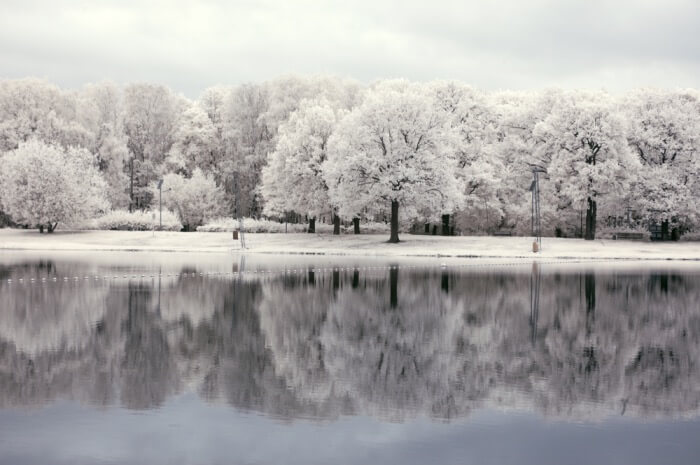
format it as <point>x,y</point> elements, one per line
<point>393,344</point>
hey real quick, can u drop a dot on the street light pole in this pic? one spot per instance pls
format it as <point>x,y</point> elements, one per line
<point>160,203</point>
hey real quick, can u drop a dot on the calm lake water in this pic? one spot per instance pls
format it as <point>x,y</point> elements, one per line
<point>179,358</point>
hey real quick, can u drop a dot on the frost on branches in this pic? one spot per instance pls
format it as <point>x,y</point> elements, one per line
<point>45,185</point>
<point>584,148</point>
<point>196,199</point>
<point>472,118</point>
<point>292,179</point>
<point>194,143</point>
<point>664,131</point>
<point>394,149</point>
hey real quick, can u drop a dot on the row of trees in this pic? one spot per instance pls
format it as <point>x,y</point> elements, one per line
<point>322,147</point>
<point>443,148</point>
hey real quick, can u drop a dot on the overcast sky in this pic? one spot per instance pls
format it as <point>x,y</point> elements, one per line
<point>517,44</point>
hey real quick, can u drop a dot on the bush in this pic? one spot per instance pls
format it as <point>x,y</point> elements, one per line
<point>691,236</point>
<point>608,232</point>
<point>196,199</point>
<point>370,227</point>
<point>269,226</point>
<point>122,220</point>
<point>251,225</point>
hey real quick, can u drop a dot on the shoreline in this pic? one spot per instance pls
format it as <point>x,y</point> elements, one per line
<point>370,245</point>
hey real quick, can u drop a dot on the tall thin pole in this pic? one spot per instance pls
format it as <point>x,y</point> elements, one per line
<point>532,211</point>
<point>237,203</point>
<point>535,218</point>
<point>160,203</point>
<point>534,300</point>
<point>537,209</point>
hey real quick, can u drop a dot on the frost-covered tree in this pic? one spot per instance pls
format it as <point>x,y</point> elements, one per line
<point>101,112</point>
<point>247,144</point>
<point>292,179</point>
<point>44,185</point>
<point>255,112</point>
<point>35,109</point>
<point>194,143</point>
<point>517,114</point>
<point>470,114</point>
<point>664,131</point>
<point>394,149</point>
<point>195,199</point>
<point>583,144</point>
<point>213,102</point>
<point>151,113</point>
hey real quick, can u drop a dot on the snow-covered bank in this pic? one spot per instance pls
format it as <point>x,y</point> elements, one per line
<point>369,245</point>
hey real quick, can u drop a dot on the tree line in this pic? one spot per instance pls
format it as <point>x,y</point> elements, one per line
<point>322,147</point>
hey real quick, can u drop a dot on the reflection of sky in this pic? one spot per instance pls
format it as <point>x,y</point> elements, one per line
<point>189,430</point>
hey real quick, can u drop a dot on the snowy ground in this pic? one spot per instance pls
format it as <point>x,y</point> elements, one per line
<point>367,245</point>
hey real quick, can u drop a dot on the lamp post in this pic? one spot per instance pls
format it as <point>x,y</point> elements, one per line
<point>535,189</point>
<point>160,204</point>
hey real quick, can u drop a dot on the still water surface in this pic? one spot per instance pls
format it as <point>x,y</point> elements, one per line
<point>557,363</point>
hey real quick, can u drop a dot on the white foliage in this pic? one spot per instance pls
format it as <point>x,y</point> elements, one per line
<point>292,179</point>
<point>101,112</point>
<point>123,220</point>
<point>195,143</point>
<point>33,108</point>
<point>665,134</point>
<point>44,185</point>
<point>394,147</point>
<point>195,199</point>
<point>582,144</point>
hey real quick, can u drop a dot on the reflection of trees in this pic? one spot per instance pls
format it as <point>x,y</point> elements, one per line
<point>396,357</point>
<point>291,318</point>
<point>147,371</point>
<point>54,336</point>
<point>324,344</point>
<point>42,316</point>
<point>615,343</point>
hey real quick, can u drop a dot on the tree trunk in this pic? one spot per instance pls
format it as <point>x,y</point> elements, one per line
<point>312,225</point>
<point>355,278</point>
<point>675,234</point>
<point>52,227</point>
<point>394,238</point>
<point>590,301</point>
<point>427,228</point>
<point>131,185</point>
<point>336,225</point>
<point>590,220</point>
<point>356,225</point>
<point>446,225</point>
<point>41,229</point>
<point>336,281</point>
<point>664,230</point>
<point>394,286</point>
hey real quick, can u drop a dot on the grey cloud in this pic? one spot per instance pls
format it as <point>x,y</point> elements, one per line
<point>500,44</point>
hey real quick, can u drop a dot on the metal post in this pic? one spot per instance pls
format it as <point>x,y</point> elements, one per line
<point>237,203</point>
<point>534,301</point>
<point>160,204</point>
<point>535,218</point>
<point>532,210</point>
<point>537,210</point>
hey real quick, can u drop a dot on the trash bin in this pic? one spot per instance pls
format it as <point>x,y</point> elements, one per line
<point>235,235</point>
